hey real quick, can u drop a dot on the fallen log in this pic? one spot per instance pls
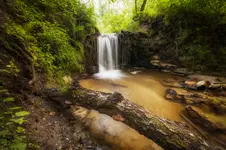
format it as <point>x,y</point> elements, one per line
<point>194,126</point>
<point>115,133</point>
<point>202,120</point>
<point>168,134</point>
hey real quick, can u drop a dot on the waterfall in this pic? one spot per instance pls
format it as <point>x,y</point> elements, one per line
<point>107,47</point>
<point>107,52</point>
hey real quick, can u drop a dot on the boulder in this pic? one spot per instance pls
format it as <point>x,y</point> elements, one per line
<point>155,57</point>
<point>155,63</point>
<point>166,66</point>
<point>171,94</point>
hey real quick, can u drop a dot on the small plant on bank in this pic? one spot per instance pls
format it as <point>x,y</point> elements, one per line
<point>12,133</point>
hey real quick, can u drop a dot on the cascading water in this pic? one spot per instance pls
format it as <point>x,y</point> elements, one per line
<point>108,57</point>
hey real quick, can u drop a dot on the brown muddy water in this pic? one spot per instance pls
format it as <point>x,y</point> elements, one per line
<point>143,89</point>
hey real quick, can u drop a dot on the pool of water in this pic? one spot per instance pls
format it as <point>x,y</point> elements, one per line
<point>143,88</point>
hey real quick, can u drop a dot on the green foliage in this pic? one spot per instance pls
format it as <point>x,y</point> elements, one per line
<point>195,28</point>
<point>115,22</point>
<point>114,16</point>
<point>190,32</point>
<point>9,99</point>
<point>12,134</point>
<point>47,33</point>
<point>10,69</point>
<point>196,56</point>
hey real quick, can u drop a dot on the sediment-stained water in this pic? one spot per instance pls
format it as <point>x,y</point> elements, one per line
<point>144,89</point>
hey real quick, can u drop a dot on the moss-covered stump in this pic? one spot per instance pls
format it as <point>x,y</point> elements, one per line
<point>168,134</point>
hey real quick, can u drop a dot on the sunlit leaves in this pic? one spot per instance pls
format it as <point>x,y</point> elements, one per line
<point>18,120</point>
<point>15,108</point>
<point>22,113</point>
<point>9,99</point>
<point>11,133</point>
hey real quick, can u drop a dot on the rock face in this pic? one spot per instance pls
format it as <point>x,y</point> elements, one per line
<point>136,49</point>
<point>90,61</point>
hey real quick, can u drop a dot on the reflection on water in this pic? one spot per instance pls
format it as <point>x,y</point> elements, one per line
<point>115,133</point>
<point>143,89</point>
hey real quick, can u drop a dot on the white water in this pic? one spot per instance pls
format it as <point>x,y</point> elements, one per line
<point>108,57</point>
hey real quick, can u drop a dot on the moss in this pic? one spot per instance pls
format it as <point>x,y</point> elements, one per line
<point>177,142</point>
<point>79,92</point>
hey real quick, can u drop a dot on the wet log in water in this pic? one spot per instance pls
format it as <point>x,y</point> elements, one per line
<point>168,134</point>
<point>202,120</point>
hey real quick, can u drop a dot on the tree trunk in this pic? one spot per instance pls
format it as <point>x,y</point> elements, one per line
<point>168,134</point>
<point>135,5</point>
<point>143,5</point>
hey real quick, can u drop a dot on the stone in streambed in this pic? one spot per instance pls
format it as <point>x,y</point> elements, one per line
<point>171,94</point>
<point>135,72</point>
<point>68,102</point>
<point>166,66</point>
<point>190,84</point>
<point>155,63</point>
<point>171,83</point>
<point>202,85</point>
<point>155,57</point>
<point>183,96</point>
<point>155,60</point>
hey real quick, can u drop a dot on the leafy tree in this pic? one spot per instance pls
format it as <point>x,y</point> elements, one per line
<point>47,34</point>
